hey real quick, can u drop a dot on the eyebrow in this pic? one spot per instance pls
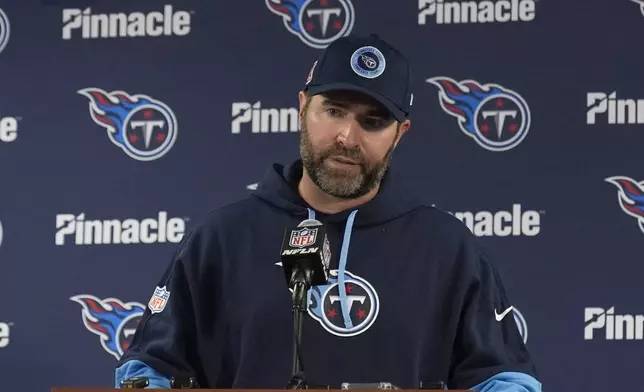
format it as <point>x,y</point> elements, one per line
<point>373,111</point>
<point>335,102</point>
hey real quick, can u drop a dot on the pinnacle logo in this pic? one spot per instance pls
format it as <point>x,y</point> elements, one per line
<point>468,11</point>
<point>252,118</point>
<point>612,110</point>
<point>502,223</point>
<point>8,129</point>
<point>122,25</point>
<point>614,326</point>
<point>4,334</point>
<point>114,231</point>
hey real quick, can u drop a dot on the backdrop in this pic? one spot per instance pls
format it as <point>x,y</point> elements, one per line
<point>138,117</point>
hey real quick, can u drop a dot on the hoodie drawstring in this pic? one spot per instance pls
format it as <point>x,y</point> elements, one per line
<point>342,288</point>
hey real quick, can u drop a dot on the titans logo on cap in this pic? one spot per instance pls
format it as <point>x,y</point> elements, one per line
<point>143,127</point>
<point>347,306</point>
<point>4,30</point>
<point>112,320</point>
<point>316,22</point>
<point>368,62</point>
<point>630,197</point>
<point>497,118</point>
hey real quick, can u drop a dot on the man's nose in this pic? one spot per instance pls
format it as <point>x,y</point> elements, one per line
<point>348,135</point>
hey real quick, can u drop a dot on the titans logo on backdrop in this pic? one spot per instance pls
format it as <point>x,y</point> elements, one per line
<point>630,197</point>
<point>496,118</point>
<point>4,30</point>
<point>316,22</point>
<point>143,127</point>
<point>641,4</point>
<point>112,320</point>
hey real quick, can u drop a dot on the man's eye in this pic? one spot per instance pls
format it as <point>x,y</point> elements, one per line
<point>373,123</point>
<point>334,112</point>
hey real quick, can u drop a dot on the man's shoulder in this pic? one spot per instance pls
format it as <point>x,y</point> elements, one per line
<point>440,222</point>
<point>234,213</point>
<point>441,229</point>
<point>219,222</point>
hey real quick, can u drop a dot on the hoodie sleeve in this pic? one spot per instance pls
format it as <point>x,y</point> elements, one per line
<point>489,353</point>
<point>164,344</point>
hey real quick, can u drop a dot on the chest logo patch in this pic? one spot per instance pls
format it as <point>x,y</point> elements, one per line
<point>346,306</point>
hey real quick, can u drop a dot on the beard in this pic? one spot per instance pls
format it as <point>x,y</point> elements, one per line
<point>345,184</point>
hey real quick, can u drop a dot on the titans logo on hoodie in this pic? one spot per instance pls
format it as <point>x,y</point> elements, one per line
<point>411,297</point>
<point>346,306</point>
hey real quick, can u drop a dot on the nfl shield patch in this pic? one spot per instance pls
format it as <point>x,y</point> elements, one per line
<point>303,237</point>
<point>159,300</point>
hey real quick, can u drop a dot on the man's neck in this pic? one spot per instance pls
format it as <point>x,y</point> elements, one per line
<point>325,203</point>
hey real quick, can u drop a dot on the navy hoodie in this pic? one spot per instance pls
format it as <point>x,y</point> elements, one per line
<point>412,298</point>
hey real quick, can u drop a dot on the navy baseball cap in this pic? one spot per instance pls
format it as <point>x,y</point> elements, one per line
<point>366,64</point>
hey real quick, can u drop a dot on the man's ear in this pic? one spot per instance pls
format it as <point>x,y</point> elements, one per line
<point>402,128</point>
<point>302,97</point>
<point>304,100</point>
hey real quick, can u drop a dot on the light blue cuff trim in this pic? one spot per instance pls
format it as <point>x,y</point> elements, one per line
<point>135,368</point>
<point>509,382</point>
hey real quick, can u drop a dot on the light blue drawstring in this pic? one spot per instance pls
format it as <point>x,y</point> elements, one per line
<point>342,289</point>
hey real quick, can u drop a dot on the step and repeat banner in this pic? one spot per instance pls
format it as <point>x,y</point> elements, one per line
<point>122,123</point>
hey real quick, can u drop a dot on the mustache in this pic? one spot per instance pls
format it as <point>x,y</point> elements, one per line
<point>338,150</point>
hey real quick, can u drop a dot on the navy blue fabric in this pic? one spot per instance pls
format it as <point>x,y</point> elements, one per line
<point>429,289</point>
<point>376,68</point>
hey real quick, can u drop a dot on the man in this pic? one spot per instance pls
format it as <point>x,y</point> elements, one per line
<point>411,298</point>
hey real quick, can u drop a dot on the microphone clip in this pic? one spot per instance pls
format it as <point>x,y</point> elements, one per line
<point>300,283</point>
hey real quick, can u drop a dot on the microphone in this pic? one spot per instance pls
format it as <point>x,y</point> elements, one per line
<point>305,258</point>
<point>306,255</point>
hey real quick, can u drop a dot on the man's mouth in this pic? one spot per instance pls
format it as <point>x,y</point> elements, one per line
<point>342,159</point>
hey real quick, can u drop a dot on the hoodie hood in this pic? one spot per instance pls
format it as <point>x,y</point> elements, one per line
<point>394,199</point>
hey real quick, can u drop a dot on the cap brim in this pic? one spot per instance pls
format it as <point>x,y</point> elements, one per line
<point>386,102</point>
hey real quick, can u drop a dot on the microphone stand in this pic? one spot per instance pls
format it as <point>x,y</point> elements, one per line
<point>300,280</point>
